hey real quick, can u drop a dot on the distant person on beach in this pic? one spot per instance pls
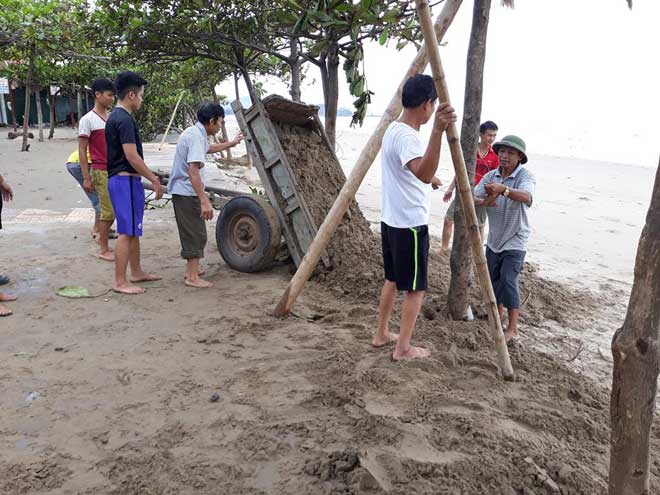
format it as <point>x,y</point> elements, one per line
<point>6,194</point>
<point>73,167</point>
<point>507,193</point>
<point>408,171</point>
<point>486,161</point>
<point>126,168</point>
<point>186,185</point>
<point>91,139</point>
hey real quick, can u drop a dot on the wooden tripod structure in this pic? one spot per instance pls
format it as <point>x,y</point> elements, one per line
<point>428,52</point>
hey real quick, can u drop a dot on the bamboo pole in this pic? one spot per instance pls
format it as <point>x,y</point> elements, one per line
<point>465,190</point>
<point>13,105</point>
<point>176,107</point>
<point>360,169</point>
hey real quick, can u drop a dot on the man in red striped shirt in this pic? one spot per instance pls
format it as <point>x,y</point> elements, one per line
<point>91,134</point>
<point>487,160</point>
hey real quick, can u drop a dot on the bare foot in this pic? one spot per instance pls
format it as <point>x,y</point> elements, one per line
<point>509,336</point>
<point>197,282</point>
<point>6,297</point>
<point>380,341</point>
<point>411,353</point>
<point>5,311</point>
<point>201,273</point>
<point>144,277</point>
<point>127,289</point>
<point>108,255</point>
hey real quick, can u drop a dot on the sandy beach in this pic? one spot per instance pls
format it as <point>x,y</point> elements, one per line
<point>185,391</point>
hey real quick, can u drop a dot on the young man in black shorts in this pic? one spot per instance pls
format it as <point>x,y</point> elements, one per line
<point>126,168</point>
<point>408,172</point>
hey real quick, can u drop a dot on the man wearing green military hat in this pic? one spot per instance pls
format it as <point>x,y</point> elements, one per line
<point>507,192</point>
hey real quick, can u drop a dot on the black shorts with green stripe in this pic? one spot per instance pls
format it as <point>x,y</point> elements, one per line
<point>406,256</point>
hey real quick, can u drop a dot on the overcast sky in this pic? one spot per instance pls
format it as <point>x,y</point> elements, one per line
<point>573,76</point>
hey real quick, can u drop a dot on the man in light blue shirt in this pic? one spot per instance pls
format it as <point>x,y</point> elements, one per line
<point>507,192</point>
<point>186,185</point>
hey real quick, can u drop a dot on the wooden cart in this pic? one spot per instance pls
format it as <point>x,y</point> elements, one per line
<point>251,227</point>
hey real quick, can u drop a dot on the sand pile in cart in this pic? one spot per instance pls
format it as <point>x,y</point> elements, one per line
<point>354,249</point>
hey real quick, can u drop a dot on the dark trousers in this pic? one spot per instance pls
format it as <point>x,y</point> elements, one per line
<point>504,269</point>
<point>192,228</point>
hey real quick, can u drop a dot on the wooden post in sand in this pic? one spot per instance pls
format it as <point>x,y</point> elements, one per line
<point>176,107</point>
<point>366,158</point>
<point>465,190</point>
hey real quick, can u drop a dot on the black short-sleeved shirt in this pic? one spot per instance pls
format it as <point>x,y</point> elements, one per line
<point>120,129</point>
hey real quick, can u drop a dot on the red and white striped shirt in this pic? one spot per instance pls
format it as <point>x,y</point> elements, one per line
<point>92,126</point>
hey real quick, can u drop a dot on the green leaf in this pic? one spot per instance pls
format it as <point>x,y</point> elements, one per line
<point>134,22</point>
<point>318,47</point>
<point>366,4</point>
<point>73,292</point>
<point>382,39</point>
<point>357,86</point>
<point>344,8</point>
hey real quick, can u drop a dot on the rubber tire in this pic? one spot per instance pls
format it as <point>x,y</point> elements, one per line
<point>260,211</point>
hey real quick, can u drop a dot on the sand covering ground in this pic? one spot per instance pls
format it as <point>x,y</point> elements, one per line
<point>304,404</point>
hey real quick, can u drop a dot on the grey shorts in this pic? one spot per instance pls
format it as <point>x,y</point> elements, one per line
<point>192,227</point>
<point>482,214</point>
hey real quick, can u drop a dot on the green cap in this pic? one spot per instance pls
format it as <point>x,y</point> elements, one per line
<point>512,142</point>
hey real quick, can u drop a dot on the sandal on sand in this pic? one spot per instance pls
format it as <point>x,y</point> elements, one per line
<point>4,280</point>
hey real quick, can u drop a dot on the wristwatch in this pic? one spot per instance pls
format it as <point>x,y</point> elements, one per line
<point>506,192</point>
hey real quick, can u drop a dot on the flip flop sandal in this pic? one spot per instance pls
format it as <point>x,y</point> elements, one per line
<point>4,280</point>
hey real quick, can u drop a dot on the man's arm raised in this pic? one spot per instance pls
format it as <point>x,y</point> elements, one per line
<point>424,168</point>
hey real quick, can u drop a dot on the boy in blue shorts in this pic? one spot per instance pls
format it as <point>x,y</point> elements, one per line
<point>126,168</point>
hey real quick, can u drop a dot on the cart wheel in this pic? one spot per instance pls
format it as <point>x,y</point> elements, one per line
<point>248,233</point>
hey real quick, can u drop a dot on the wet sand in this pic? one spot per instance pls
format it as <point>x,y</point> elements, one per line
<point>124,387</point>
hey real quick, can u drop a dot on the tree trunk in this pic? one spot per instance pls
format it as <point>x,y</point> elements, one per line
<point>53,114</point>
<point>214,94</point>
<point>13,106</point>
<point>636,365</point>
<point>79,103</point>
<point>225,138</point>
<point>254,97</point>
<point>332,95</point>
<point>40,115</point>
<point>72,117</point>
<point>461,254</point>
<point>242,66</point>
<point>294,66</point>
<point>238,94</point>
<point>28,86</point>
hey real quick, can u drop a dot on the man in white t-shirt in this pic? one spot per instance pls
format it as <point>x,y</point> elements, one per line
<point>408,174</point>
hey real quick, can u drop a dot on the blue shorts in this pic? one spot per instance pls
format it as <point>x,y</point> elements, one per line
<point>127,196</point>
